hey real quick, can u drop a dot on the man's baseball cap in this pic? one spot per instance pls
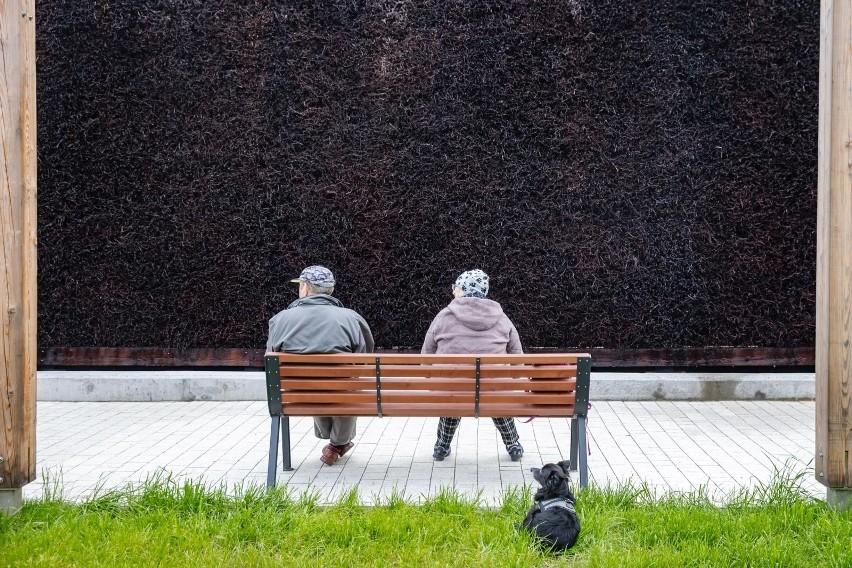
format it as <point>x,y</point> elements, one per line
<point>316,275</point>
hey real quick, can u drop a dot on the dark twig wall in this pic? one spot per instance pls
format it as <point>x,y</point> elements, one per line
<point>633,174</point>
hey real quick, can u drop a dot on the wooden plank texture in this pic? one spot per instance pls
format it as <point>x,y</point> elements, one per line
<point>442,397</point>
<point>415,358</point>
<point>833,361</point>
<point>18,251</point>
<point>148,357</point>
<point>448,371</point>
<point>70,357</point>
<point>496,384</point>
<point>426,409</point>
<point>456,389</point>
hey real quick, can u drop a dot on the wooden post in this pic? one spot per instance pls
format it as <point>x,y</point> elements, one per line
<point>18,252</point>
<point>833,355</point>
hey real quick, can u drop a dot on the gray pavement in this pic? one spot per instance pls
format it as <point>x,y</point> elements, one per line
<point>720,446</point>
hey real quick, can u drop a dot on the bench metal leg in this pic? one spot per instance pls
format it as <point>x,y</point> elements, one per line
<point>582,450</point>
<point>572,457</point>
<point>273,451</point>
<point>285,443</point>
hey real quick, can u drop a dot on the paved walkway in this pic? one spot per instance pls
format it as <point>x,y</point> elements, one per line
<point>681,446</point>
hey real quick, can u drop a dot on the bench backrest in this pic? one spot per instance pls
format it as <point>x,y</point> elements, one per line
<point>382,384</point>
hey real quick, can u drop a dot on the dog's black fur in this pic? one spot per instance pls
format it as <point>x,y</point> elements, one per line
<point>557,526</point>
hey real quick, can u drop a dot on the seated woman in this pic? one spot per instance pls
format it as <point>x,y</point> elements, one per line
<point>473,324</point>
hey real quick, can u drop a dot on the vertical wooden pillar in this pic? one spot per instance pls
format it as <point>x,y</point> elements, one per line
<point>834,252</point>
<point>18,251</point>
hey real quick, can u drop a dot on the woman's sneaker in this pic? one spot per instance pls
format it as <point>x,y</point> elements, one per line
<point>516,451</point>
<point>440,452</point>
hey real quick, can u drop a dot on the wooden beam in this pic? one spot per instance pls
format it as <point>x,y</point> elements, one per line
<point>149,357</point>
<point>18,251</point>
<point>833,363</point>
<point>253,358</point>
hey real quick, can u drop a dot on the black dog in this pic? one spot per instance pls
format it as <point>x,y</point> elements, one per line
<point>553,517</point>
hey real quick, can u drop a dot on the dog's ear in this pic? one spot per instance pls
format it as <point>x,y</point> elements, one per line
<point>566,466</point>
<point>557,470</point>
<point>561,475</point>
<point>555,478</point>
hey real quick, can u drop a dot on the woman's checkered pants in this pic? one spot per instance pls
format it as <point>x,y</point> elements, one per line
<point>447,429</point>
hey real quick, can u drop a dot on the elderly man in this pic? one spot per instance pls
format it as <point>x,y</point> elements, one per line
<point>318,323</point>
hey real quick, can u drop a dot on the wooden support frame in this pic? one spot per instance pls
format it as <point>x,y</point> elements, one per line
<point>18,354</point>
<point>833,355</point>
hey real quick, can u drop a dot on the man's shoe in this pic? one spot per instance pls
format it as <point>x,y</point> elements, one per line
<point>440,453</point>
<point>331,453</point>
<point>516,451</point>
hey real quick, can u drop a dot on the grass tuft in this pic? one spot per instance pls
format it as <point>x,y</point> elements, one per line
<point>168,522</point>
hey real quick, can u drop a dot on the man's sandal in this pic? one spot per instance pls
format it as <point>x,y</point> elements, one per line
<point>330,453</point>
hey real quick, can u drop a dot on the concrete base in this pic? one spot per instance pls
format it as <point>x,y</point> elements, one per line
<point>702,386</point>
<point>840,499</point>
<point>150,386</point>
<point>157,386</point>
<point>11,500</point>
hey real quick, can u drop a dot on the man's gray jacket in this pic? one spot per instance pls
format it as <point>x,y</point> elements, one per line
<point>319,324</point>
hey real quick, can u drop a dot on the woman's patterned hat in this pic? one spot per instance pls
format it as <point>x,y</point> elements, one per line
<point>473,283</point>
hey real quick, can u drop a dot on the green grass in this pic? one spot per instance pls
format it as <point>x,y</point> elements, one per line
<point>166,523</point>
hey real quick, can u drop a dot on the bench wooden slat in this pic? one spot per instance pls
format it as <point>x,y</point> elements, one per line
<point>426,409</point>
<point>412,358</point>
<point>367,397</point>
<point>341,384</point>
<point>460,371</point>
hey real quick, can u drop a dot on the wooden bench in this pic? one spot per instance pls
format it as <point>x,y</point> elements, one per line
<point>381,384</point>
